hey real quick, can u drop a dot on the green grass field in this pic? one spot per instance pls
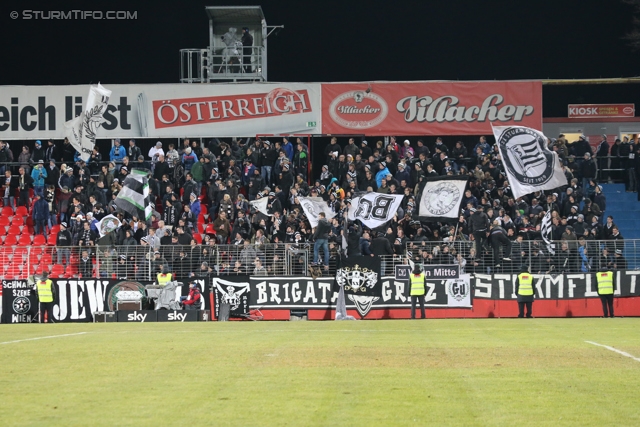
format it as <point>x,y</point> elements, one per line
<point>489,372</point>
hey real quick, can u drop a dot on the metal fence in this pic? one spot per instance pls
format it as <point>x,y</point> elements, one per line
<point>145,262</point>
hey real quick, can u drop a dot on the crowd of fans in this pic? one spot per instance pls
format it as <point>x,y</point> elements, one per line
<point>201,196</point>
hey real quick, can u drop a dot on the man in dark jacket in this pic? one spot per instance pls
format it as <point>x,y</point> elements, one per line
<point>587,171</point>
<point>321,237</point>
<point>602,153</point>
<point>40,214</point>
<point>63,243</point>
<point>479,225</point>
<point>498,238</point>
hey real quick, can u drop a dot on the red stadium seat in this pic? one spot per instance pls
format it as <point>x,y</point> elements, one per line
<point>13,272</point>
<point>39,240</point>
<point>57,271</point>
<point>14,229</point>
<point>25,239</point>
<point>17,221</point>
<point>209,229</point>
<point>7,211</point>
<point>46,259</point>
<point>21,253</point>
<point>51,240</point>
<point>204,210</point>
<point>198,238</point>
<point>22,211</point>
<point>4,220</point>
<point>55,229</point>
<point>10,240</point>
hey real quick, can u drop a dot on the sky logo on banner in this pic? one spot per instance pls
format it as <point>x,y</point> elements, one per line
<point>136,317</point>
<point>177,317</point>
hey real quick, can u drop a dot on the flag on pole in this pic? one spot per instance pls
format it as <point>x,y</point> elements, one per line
<point>441,198</point>
<point>108,224</point>
<point>261,205</point>
<point>81,131</point>
<point>134,196</point>
<point>374,209</point>
<point>528,162</point>
<point>545,231</point>
<point>312,206</point>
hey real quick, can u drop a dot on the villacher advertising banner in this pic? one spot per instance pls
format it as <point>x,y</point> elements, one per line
<point>429,108</point>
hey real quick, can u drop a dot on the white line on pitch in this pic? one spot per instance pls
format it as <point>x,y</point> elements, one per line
<point>624,353</point>
<point>44,338</point>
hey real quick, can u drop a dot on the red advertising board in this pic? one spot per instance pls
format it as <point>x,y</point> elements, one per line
<point>581,111</point>
<point>429,108</point>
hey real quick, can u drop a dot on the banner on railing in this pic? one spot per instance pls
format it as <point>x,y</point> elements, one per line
<point>555,286</point>
<point>19,302</point>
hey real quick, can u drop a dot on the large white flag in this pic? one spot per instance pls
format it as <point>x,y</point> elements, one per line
<point>81,131</point>
<point>374,209</point>
<point>108,224</point>
<point>261,205</point>
<point>312,206</point>
<point>441,198</point>
<point>529,163</point>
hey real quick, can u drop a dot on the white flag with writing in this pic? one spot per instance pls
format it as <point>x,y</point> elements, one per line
<point>312,206</point>
<point>261,205</point>
<point>374,209</point>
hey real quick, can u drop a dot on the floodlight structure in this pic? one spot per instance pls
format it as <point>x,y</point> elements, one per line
<point>227,58</point>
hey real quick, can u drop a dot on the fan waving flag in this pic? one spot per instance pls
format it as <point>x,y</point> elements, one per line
<point>261,205</point>
<point>441,198</point>
<point>528,162</point>
<point>545,231</point>
<point>134,196</point>
<point>108,224</point>
<point>374,209</point>
<point>81,131</point>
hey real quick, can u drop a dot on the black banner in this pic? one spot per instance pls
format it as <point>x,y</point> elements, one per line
<point>360,275</point>
<point>549,286</point>
<point>233,290</point>
<point>177,315</point>
<point>274,293</point>
<point>19,302</point>
<point>138,316</point>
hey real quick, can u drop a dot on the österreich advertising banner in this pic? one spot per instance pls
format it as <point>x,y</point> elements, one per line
<point>165,110</point>
<point>429,108</point>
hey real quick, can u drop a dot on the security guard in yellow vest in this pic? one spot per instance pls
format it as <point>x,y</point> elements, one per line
<point>45,290</point>
<point>524,292</point>
<point>164,277</point>
<point>605,290</point>
<point>417,291</point>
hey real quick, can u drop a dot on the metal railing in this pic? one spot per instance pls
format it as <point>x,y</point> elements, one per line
<point>283,259</point>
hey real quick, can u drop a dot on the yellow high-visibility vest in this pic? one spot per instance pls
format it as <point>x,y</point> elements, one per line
<point>163,279</point>
<point>45,294</point>
<point>525,281</point>
<point>417,284</point>
<point>605,283</point>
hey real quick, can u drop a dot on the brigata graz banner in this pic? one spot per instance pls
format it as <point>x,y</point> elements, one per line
<point>165,110</point>
<point>429,108</point>
<point>547,286</point>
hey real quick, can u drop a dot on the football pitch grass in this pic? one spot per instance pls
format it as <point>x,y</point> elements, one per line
<point>485,372</point>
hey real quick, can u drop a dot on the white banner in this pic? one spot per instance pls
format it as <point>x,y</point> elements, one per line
<point>374,209</point>
<point>459,291</point>
<point>108,224</point>
<point>166,110</point>
<point>261,205</point>
<point>529,163</point>
<point>82,130</point>
<point>441,198</point>
<point>312,206</point>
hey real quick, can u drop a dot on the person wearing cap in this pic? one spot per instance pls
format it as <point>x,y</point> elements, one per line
<point>606,286</point>
<point>39,173</point>
<point>193,301</point>
<point>63,244</point>
<point>417,291</point>
<point>164,276</point>
<point>37,154</point>
<point>46,297</point>
<point>524,292</point>
<point>619,261</point>
<point>117,152</point>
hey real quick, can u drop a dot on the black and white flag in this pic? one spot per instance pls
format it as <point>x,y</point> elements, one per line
<point>134,196</point>
<point>441,198</point>
<point>545,231</point>
<point>374,209</point>
<point>81,131</point>
<point>312,206</point>
<point>528,162</point>
<point>233,292</point>
<point>261,205</point>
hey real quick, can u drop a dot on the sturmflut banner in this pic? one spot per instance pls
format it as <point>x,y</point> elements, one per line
<point>528,162</point>
<point>82,130</point>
